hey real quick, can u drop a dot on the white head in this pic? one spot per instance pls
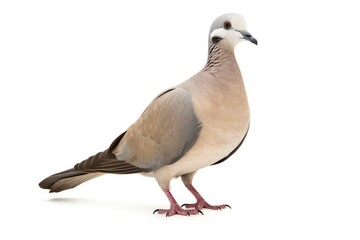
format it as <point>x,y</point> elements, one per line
<point>231,29</point>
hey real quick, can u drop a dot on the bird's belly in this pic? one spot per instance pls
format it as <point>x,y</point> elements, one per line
<point>213,144</point>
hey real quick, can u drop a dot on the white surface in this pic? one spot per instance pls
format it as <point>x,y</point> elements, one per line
<point>75,74</point>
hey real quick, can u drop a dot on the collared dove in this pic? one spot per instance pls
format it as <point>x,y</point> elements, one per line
<point>198,123</point>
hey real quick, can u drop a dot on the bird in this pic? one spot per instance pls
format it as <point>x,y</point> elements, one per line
<point>197,123</point>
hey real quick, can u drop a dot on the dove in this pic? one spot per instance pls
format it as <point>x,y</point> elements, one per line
<point>198,123</point>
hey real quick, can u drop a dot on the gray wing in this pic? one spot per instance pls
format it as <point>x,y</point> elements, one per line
<point>163,134</point>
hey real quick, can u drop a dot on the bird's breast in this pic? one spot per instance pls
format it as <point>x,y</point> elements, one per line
<point>224,113</point>
<point>225,126</point>
<point>225,117</point>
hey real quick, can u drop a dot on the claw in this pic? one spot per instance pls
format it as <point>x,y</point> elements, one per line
<point>200,212</point>
<point>155,211</point>
<point>228,206</point>
<point>183,205</point>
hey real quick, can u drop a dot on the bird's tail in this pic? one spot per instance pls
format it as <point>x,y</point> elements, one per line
<point>66,180</point>
<point>94,166</point>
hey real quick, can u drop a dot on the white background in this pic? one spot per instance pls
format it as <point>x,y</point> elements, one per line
<point>75,74</point>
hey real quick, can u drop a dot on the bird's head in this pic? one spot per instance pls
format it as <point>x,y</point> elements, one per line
<point>230,29</point>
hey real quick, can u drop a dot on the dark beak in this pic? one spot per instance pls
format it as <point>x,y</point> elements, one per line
<point>248,36</point>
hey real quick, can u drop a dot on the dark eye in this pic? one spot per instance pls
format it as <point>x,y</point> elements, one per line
<point>227,25</point>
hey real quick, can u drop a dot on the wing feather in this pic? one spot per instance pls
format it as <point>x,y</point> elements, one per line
<point>163,134</point>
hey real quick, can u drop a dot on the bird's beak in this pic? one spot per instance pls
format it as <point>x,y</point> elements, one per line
<point>247,36</point>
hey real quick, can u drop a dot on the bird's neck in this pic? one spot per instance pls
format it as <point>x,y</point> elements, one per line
<point>220,76</point>
<point>221,59</point>
<point>222,66</point>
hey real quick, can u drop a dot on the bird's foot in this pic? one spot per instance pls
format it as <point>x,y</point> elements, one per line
<point>175,209</point>
<point>201,203</point>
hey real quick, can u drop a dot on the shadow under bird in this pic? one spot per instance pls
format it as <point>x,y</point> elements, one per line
<point>198,123</point>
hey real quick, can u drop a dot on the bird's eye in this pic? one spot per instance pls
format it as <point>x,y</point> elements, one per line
<point>227,25</point>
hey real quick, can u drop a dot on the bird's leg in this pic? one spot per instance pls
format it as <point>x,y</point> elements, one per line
<point>175,208</point>
<point>200,201</point>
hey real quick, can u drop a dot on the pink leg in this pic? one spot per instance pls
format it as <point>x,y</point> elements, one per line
<point>175,208</point>
<point>200,202</point>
